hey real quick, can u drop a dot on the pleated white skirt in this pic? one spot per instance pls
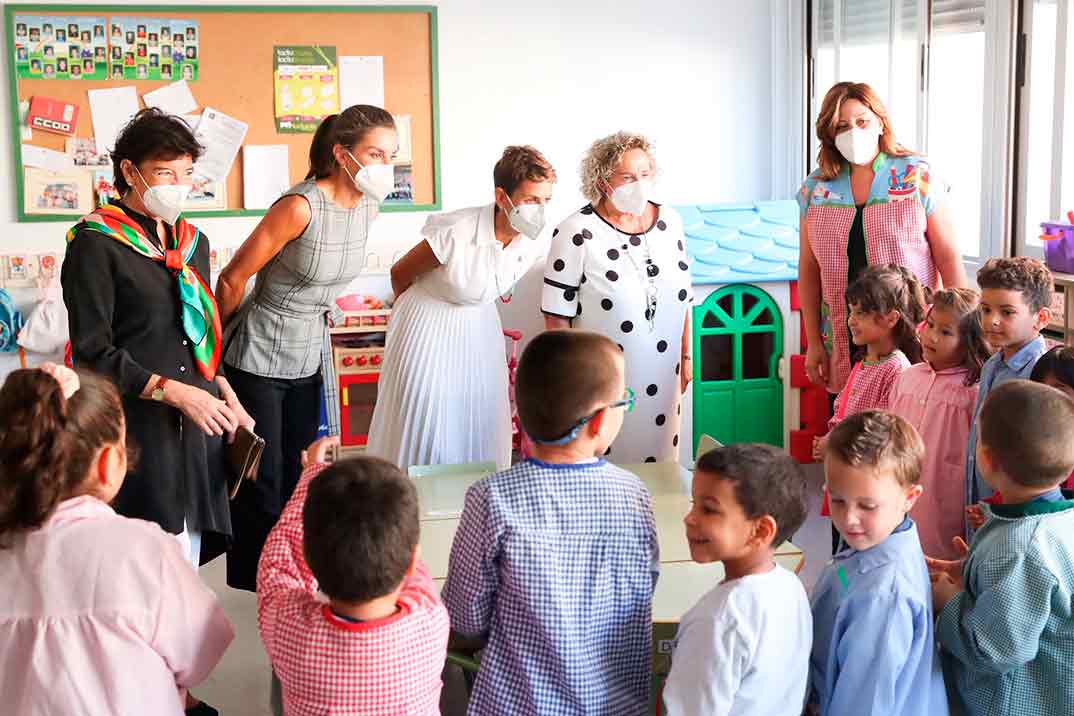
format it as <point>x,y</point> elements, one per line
<point>442,396</point>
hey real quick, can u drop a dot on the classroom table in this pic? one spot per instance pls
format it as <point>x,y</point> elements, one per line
<point>682,581</point>
<point>442,497</point>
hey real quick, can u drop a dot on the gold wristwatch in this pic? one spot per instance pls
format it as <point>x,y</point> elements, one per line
<point>158,390</point>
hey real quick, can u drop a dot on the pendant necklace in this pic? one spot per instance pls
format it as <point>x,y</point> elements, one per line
<point>647,272</point>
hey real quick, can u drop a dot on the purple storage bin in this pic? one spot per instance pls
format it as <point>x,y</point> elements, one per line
<point>1058,246</point>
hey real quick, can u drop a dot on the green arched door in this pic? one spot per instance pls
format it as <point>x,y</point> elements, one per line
<point>738,341</point>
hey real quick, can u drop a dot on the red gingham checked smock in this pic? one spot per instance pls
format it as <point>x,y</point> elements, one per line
<point>899,204</point>
<point>328,665</point>
<point>868,388</point>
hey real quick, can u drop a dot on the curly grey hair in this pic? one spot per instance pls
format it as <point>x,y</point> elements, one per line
<point>604,155</point>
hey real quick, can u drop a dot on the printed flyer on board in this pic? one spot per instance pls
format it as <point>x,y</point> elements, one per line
<point>306,79</point>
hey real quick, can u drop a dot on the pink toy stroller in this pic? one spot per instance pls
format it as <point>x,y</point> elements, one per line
<point>520,444</point>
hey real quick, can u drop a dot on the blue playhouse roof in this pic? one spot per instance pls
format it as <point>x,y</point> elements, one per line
<point>742,243</point>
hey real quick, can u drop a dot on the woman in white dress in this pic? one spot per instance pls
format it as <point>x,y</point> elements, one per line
<point>443,390</point>
<point>618,266</point>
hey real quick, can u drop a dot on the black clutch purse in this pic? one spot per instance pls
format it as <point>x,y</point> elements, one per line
<point>244,459</point>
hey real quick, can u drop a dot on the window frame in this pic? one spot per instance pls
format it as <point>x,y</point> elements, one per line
<point>998,117</point>
<point>1026,37</point>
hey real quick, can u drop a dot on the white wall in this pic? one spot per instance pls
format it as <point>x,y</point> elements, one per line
<point>694,75</point>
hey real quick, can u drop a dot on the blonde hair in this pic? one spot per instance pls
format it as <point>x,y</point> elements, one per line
<point>604,155</point>
<point>879,440</point>
<point>830,159</point>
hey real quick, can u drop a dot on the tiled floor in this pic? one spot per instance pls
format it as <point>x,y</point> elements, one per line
<point>240,684</point>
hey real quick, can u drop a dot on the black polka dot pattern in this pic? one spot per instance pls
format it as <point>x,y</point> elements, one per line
<point>613,254</point>
<point>662,225</point>
<point>661,419</point>
<point>651,390</point>
<point>662,346</point>
<point>683,265</point>
<point>555,233</point>
<point>675,441</point>
<point>635,241</point>
<point>679,244</point>
<point>587,234</point>
<point>569,294</point>
<point>676,365</point>
<point>578,240</point>
<point>654,270</point>
<point>606,304</point>
<point>587,210</point>
<point>650,459</point>
<point>559,265</point>
<point>682,294</point>
<point>612,276</point>
<point>626,326</point>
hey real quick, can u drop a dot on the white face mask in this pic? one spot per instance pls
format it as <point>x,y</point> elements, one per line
<point>632,198</point>
<point>376,180</point>
<point>858,146</point>
<point>526,219</point>
<point>164,201</point>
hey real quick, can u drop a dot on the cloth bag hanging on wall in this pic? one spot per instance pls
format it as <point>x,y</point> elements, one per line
<point>10,323</point>
<point>46,329</point>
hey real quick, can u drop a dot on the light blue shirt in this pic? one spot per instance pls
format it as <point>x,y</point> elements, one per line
<point>873,648</point>
<point>994,373</point>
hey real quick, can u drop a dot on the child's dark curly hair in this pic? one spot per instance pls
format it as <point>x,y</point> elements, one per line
<point>889,287</point>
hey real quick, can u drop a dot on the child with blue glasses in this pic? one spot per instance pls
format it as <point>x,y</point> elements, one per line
<point>555,559</point>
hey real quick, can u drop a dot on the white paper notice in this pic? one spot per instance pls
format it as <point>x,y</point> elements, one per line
<point>264,174</point>
<point>361,80</point>
<point>111,110</point>
<point>221,136</point>
<point>192,121</point>
<point>48,159</point>
<point>402,128</point>
<point>175,98</point>
<point>25,131</point>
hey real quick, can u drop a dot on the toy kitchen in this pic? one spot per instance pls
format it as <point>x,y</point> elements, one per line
<point>358,356</point>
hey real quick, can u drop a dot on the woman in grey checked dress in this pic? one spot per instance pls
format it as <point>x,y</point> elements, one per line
<point>305,251</point>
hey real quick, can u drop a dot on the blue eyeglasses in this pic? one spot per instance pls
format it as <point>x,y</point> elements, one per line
<point>627,401</point>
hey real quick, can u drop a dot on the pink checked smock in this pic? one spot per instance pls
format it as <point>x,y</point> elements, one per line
<point>940,405</point>
<point>894,219</point>
<point>328,665</point>
<point>103,614</point>
<point>868,387</point>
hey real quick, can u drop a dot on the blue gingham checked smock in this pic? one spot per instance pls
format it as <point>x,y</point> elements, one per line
<point>556,564</point>
<point>1010,634</point>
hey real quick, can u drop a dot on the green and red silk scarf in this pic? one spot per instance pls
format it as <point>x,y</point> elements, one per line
<point>200,315</point>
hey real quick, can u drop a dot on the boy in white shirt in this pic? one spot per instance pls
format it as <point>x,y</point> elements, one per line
<point>744,647</point>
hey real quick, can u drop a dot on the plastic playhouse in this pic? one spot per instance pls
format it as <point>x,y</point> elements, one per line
<point>749,381</point>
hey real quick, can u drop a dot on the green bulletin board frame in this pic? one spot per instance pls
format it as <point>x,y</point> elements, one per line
<point>11,10</point>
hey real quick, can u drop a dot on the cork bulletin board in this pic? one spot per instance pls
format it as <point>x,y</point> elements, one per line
<point>235,76</point>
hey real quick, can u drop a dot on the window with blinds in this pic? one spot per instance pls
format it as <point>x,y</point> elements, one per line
<point>927,62</point>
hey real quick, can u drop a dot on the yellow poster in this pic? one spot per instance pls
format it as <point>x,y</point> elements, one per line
<point>306,79</point>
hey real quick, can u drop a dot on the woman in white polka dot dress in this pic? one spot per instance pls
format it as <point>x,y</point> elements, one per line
<point>617,266</point>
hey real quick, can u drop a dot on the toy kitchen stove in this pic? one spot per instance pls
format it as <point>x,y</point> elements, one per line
<point>358,354</point>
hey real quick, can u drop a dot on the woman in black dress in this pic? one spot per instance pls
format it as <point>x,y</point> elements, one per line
<point>136,283</point>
